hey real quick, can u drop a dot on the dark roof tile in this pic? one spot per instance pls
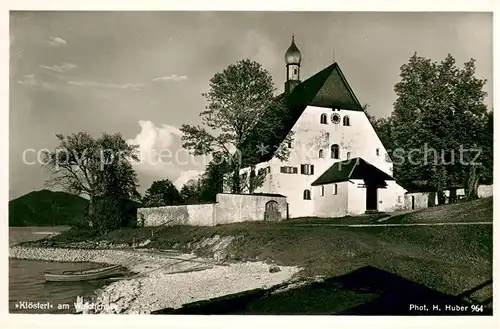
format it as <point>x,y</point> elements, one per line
<point>355,168</point>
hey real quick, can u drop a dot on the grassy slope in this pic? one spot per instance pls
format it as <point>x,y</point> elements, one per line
<point>47,208</point>
<point>450,259</point>
<point>472,211</point>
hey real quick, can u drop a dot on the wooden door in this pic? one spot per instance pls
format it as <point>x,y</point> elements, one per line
<point>271,212</point>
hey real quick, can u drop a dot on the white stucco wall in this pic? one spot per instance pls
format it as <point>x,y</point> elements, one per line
<point>309,137</point>
<point>391,198</point>
<point>196,215</point>
<point>484,191</point>
<point>234,208</point>
<point>459,192</point>
<point>229,208</point>
<point>331,205</point>
<point>421,200</point>
<point>356,203</point>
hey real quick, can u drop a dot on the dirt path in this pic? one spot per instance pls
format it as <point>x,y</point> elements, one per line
<point>396,225</point>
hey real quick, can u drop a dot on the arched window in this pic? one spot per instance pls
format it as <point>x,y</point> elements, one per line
<point>348,155</point>
<point>320,154</point>
<point>335,151</point>
<point>346,121</point>
<point>323,119</point>
<point>307,195</point>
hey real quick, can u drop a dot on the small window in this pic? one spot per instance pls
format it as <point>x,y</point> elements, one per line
<point>323,119</point>
<point>378,152</point>
<point>346,121</point>
<point>400,199</point>
<point>290,145</point>
<point>348,155</point>
<point>334,151</point>
<point>322,190</point>
<point>334,189</point>
<point>320,154</point>
<point>307,195</point>
<point>307,169</point>
<point>294,71</point>
<point>288,170</point>
<point>263,171</point>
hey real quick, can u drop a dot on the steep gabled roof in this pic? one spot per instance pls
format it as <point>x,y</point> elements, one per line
<point>335,91</point>
<point>327,88</point>
<point>355,168</point>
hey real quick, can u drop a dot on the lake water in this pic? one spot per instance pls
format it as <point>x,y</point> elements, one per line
<point>27,286</point>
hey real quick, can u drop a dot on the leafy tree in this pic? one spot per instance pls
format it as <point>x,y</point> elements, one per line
<point>116,207</point>
<point>269,127</point>
<point>162,193</point>
<point>213,180</point>
<point>237,99</point>
<point>486,176</point>
<point>83,165</point>
<point>384,129</point>
<point>480,167</point>
<point>439,110</point>
<point>191,191</point>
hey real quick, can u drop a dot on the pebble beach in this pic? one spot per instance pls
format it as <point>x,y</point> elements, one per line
<point>157,284</point>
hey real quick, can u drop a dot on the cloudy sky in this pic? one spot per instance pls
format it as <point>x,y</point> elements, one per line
<point>142,73</point>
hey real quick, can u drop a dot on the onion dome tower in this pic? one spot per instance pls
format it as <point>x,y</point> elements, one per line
<point>292,60</point>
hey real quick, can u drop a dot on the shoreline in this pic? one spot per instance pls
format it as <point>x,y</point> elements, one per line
<point>154,288</point>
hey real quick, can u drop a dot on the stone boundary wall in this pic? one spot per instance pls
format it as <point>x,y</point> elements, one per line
<point>484,191</point>
<point>229,208</point>
<point>235,208</point>
<point>193,214</point>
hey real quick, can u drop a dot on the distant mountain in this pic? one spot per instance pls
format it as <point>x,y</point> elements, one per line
<point>47,208</point>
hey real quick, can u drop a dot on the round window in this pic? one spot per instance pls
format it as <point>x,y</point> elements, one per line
<point>335,118</point>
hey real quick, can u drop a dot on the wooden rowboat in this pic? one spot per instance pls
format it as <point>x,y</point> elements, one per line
<point>84,275</point>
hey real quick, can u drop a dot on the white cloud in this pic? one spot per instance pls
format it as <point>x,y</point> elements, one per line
<point>128,86</point>
<point>30,80</point>
<point>173,77</point>
<point>60,68</point>
<point>57,42</point>
<point>156,145</point>
<point>162,156</point>
<point>187,175</point>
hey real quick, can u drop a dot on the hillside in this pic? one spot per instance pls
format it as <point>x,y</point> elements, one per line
<point>47,208</point>
<point>375,269</point>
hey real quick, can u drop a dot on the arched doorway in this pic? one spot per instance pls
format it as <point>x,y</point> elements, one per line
<point>271,212</point>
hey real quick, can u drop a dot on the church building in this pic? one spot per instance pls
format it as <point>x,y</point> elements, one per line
<point>337,164</point>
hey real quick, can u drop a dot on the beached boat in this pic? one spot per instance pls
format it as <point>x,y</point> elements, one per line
<point>84,275</point>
